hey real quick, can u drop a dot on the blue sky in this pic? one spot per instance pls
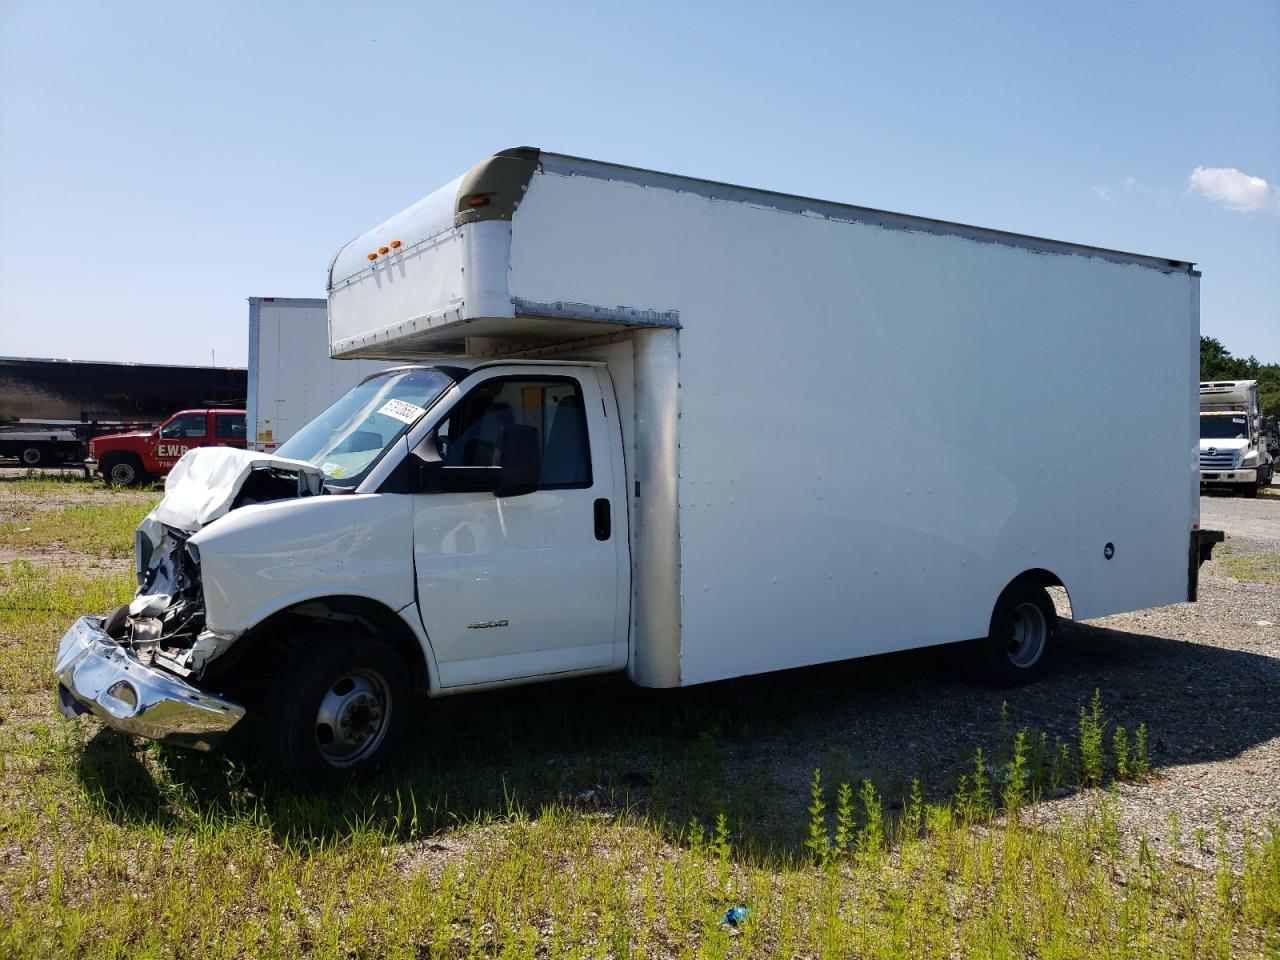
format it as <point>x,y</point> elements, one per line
<point>160,163</point>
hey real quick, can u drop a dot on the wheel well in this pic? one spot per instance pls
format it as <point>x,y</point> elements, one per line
<point>1049,580</point>
<point>253,659</point>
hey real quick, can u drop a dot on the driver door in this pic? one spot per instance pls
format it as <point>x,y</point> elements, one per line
<point>539,583</point>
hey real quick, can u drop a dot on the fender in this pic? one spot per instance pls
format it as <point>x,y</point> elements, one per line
<point>259,560</point>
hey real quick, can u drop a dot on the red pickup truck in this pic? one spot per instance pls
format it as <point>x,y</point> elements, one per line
<point>130,458</point>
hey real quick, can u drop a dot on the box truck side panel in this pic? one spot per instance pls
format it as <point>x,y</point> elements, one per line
<point>880,428</point>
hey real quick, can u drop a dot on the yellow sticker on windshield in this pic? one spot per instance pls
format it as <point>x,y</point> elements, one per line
<point>331,469</point>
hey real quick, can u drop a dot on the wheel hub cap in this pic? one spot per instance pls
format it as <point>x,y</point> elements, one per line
<point>353,717</point>
<point>1027,636</point>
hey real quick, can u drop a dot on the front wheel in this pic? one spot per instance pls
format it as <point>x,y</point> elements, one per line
<point>337,707</point>
<point>123,471</point>
<point>1023,627</point>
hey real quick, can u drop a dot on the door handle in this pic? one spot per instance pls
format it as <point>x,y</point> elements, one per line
<point>603,519</point>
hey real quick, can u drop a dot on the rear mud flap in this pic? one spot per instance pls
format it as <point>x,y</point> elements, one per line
<point>1201,549</point>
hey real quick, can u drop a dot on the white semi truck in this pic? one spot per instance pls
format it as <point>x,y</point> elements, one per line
<point>653,424</point>
<point>292,378</point>
<point>1233,450</point>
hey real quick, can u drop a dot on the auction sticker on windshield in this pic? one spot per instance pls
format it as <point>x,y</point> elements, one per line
<point>402,410</point>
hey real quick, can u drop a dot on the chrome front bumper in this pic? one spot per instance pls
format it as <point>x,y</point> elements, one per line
<point>96,675</point>
<point>1230,475</point>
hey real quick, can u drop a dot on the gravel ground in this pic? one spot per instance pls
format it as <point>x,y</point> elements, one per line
<point>1204,677</point>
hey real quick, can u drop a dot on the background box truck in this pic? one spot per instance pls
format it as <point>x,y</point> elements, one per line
<point>291,375</point>
<point>1233,447</point>
<point>658,425</point>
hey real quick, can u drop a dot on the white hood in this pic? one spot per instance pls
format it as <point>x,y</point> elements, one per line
<point>206,481</point>
<point>201,488</point>
<point>1224,445</point>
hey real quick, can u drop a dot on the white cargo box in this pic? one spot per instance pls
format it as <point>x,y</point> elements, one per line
<point>846,430</point>
<point>1229,395</point>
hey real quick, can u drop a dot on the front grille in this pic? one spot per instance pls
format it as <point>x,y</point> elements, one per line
<point>1222,460</point>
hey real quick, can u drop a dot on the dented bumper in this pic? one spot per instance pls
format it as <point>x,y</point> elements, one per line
<point>96,675</point>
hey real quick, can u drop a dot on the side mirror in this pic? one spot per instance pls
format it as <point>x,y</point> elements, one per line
<point>519,462</point>
<point>518,471</point>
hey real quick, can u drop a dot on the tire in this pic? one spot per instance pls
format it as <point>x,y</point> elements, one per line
<point>123,470</point>
<point>32,456</point>
<point>1020,640</point>
<point>336,709</point>
<point>1249,490</point>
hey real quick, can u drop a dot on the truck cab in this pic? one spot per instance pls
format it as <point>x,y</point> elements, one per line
<point>128,459</point>
<point>484,508</point>
<point>1233,450</point>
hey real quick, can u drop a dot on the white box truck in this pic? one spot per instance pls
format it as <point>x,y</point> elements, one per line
<point>670,427</point>
<point>292,378</point>
<point>1233,450</point>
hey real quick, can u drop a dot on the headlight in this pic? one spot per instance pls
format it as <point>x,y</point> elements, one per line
<point>1250,459</point>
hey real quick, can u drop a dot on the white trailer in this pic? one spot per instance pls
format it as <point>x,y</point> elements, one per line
<point>659,425</point>
<point>292,378</point>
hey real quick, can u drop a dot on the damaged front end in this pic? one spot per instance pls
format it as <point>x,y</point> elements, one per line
<point>98,675</point>
<point>135,669</point>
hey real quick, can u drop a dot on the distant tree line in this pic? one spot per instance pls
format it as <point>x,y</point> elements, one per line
<point>1217,363</point>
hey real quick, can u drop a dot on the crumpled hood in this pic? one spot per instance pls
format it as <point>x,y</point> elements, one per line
<point>205,482</point>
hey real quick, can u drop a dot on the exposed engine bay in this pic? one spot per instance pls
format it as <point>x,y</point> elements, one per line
<point>164,624</point>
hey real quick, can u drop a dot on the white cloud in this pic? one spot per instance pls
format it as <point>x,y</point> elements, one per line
<point>1234,189</point>
<point>1099,192</point>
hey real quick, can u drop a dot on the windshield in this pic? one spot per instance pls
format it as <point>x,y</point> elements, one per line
<point>346,439</point>
<point>1223,426</point>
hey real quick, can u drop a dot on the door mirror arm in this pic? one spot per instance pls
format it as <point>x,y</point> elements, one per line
<point>432,476</point>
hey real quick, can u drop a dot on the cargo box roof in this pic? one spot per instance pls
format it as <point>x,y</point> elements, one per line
<point>433,280</point>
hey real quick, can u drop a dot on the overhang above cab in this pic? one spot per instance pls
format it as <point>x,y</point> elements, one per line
<point>433,280</point>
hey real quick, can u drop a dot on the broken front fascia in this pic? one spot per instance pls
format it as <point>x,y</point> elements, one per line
<point>165,621</point>
<point>128,669</point>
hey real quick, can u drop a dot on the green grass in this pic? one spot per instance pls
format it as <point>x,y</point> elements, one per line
<point>1255,567</point>
<point>98,529</point>
<point>44,482</point>
<point>558,881</point>
<point>71,480</point>
<point>513,827</point>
